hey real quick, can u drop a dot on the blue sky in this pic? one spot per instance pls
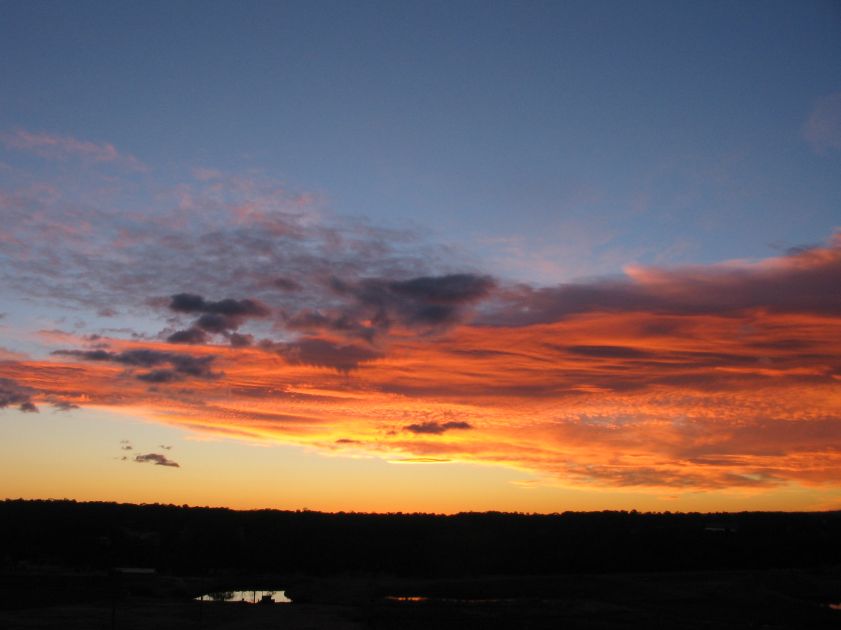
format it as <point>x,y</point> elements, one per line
<point>549,140</point>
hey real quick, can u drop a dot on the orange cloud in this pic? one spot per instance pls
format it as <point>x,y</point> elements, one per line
<point>348,339</point>
<point>598,399</point>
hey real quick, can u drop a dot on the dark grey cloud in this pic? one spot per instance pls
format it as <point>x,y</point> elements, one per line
<point>157,459</point>
<point>437,428</point>
<point>371,306</point>
<point>215,318</point>
<point>424,301</point>
<point>238,340</point>
<point>12,394</point>
<point>804,281</point>
<point>350,324</point>
<point>188,336</point>
<point>181,365</point>
<point>324,353</point>
<point>456,288</point>
<point>213,323</point>
<point>160,376</point>
<point>187,303</point>
<point>190,303</point>
<point>287,284</point>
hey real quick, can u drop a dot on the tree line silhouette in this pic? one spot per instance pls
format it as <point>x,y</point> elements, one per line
<point>183,540</point>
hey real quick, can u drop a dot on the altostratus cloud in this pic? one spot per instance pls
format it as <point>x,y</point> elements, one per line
<point>695,378</point>
<point>270,320</point>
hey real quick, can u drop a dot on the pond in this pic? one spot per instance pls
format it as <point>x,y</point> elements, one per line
<point>248,597</point>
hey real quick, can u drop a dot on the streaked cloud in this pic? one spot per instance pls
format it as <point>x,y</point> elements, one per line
<point>660,391</point>
<point>822,129</point>
<point>802,282</point>
<point>58,147</point>
<point>181,365</point>
<point>255,314</point>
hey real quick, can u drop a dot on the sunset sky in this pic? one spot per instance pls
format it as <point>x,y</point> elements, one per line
<point>422,256</point>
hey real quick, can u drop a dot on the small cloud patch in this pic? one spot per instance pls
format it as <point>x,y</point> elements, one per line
<point>12,394</point>
<point>437,428</point>
<point>221,317</point>
<point>157,459</point>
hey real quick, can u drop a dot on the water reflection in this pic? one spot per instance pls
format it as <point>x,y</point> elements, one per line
<point>248,597</point>
<point>835,606</point>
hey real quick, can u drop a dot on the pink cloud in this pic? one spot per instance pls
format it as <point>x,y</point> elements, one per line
<point>823,128</point>
<point>56,147</point>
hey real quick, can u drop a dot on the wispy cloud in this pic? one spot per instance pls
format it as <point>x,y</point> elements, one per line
<point>822,129</point>
<point>313,329</point>
<point>58,147</point>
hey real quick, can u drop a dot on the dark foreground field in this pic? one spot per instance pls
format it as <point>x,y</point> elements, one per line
<point>706,600</point>
<point>108,566</point>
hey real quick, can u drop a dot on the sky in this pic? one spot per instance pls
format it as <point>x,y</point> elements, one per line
<point>422,256</point>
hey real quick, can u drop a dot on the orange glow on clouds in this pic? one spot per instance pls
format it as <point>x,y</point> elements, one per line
<point>600,399</point>
<point>721,378</point>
